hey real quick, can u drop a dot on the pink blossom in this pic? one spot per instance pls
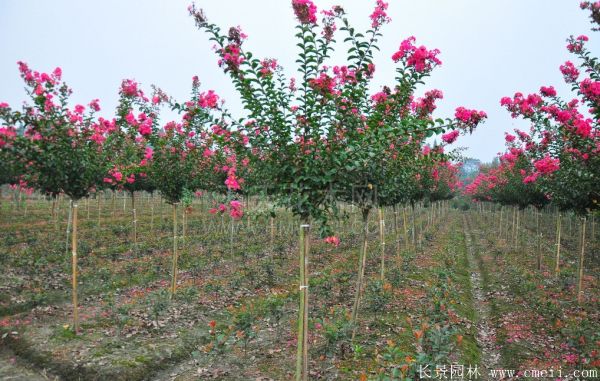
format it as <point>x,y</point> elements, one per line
<point>305,10</point>
<point>333,240</point>
<point>548,91</point>
<point>235,209</point>
<point>379,16</point>
<point>590,89</point>
<point>547,165</point>
<point>451,136</point>
<point>129,88</point>
<point>79,109</point>
<point>509,138</point>
<point>470,118</point>
<point>208,99</point>
<point>95,105</point>
<point>569,72</point>
<point>148,153</point>
<point>420,58</point>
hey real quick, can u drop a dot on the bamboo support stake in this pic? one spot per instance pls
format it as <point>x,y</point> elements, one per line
<point>152,215</point>
<point>174,268</point>
<point>581,262</point>
<point>382,240</point>
<point>134,218</point>
<point>405,227</point>
<point>397,233</point>
<point>69,227</point>
<point>302,353</point>
<point>558,231</point>
<point>539,240</point>
<point>98,195</point>
<point>361,272</point>
<point>74,268</point>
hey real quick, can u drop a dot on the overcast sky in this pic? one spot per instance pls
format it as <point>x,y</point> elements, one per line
<point>490,48</point>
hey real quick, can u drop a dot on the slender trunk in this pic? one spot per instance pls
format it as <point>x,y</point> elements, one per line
<point>184,226</point>
<point>414,240</point>
<point>500,224</point>
<point>382,240</point>
<point>517,235</point>
<point>397,233</point>
<point>405,227</point>
<point>152,215</point>
<point>361,270</point>
<point>74,269</point>
<point>69,226</point>
<point>98,195</point>
<point>581,264</point>
<point>302,353</point>
<point>174,267</point>
<point>539,240</point>
<point>558,231</point>
<point>272,225</point>
<point>134,215</point>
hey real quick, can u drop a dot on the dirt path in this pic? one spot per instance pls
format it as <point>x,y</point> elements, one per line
<point>13,369</point>
<point>486,333</point>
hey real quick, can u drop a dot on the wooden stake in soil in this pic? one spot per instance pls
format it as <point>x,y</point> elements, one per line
<point>302,354</point>
<point>581,260</point>
<point>558,231</point>
<point>361,271</point>
<point>69,226</point>
<point>382,240</point>
<point>74,268</point>
<point>174,268</point>
<point>539,240</point>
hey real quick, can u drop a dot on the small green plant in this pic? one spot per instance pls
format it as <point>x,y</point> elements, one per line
<point>378,295</point>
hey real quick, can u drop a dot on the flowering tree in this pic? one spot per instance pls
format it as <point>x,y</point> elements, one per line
<point>129,143</point>
<point>565,135</point>
<point>61,147</point>
<point>186,155</point>
<point>310,139</point>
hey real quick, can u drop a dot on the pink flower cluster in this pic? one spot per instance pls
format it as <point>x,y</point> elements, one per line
<point>450,137</point>
<point>422,59</point>
<point>208,99</point>
<point>324,84</point>
<point>591,90</point>
<point>305,10</point>
<point>268,66</point>
<point>143,123</point>
<point>426,105</point>
<point>569,72</point>
<point>379,16</point>
<point>469,118</point>
<point>547,165</point>
<point>234,207</point>
<point>333,240</point>
<point>231,57</point>
<point>575,45</point>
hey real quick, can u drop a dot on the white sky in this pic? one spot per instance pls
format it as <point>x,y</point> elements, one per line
<point>490,48</point>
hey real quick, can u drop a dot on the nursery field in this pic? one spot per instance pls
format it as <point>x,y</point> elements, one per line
<point>461,290</point>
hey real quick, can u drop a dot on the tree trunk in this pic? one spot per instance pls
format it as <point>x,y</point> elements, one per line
<point>174,267</point>
<point>134,215</point>
<point>581,264</point>
<point>397,234</point>
<point>361,270</point>
<point>74,269</point>
<point>558,231</point>
<point>382,241</point>
<point>302,353</point>
<point>539,240</point>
